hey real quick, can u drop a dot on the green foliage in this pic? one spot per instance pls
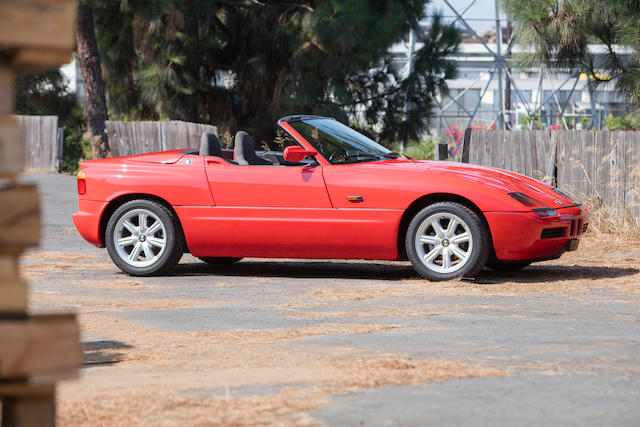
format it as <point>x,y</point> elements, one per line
<point>48,94</point>
<point>423,149</point>
<point>629,122</point>
<point>245,63</point>
<point>558,31</point>
<point>584,121</point>
<point>525,122</point>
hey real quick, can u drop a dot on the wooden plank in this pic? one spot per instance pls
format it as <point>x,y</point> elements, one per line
<point>128,138</point>
<point>39,345</point>
<point>34,59</point>
<point>632,196</point>
<point>25,388</point>
<point>12,155</point>
<point>6,91</point>
<point>41,142</point>
<point>19,217</point>
<point>37,23</point>
<point>13,291</point>
<point>30,411</point>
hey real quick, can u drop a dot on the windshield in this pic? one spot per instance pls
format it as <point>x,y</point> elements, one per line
<point>339,143</point>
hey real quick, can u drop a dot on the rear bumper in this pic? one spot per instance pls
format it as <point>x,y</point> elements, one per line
<point>526,236</point>
<point>87,221</point>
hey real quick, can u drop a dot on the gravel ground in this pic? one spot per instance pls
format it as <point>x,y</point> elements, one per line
<point>342,343</point>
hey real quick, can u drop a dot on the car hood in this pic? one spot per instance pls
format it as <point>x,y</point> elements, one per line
<point>500,180</point>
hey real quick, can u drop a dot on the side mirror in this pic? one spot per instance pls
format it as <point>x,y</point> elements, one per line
<point>295,153</point>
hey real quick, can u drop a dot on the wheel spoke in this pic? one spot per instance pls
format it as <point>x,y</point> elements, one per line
<point>154,241</point>
<point>429,240</point>
<point>462,255</point>
<point>460,238</point>
<point>129,226</point>
<point>154,228</point>
<point>126,241</point>
<point>433,253</point>
<point>142,222</point>
<point>148,253</point>
<point>446,258</point>
<point>135,252</point>
<point>437,227</point>
<point>451,228</point>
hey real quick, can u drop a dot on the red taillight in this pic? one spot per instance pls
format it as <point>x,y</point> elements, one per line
<point>82,183</point>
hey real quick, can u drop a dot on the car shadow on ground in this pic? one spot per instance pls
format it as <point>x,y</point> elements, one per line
<point>551,273</point>
<point>303,269</point>
<point>394,271</point>
<point>100,353</point>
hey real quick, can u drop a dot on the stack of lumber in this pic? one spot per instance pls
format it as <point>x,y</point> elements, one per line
<point>35,350</point>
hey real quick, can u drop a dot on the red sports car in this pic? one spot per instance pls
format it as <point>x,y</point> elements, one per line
<point>332,193</point>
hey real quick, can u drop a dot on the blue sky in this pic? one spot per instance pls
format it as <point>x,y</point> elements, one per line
<point>481,14</point>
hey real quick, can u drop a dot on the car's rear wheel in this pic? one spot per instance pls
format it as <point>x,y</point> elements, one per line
<point>220,260</point>
<point>447,240</point>
<point>144,238</point>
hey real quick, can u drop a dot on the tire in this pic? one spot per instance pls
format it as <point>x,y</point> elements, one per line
<point>439,252</point>
<point>220,260</point>
<point>161,235</point>
<point>506,266</point>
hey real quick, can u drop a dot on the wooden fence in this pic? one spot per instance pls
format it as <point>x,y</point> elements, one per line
<point>598,166</point>
<point>43,142</point>
<point>127,138</point>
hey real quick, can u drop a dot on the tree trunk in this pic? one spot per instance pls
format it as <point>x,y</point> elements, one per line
<point>89,60</point>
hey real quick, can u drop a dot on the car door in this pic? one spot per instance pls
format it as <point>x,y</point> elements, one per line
<point>263,211</point>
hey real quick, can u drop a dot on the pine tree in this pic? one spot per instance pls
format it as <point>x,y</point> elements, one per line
<point>89,62</point>
<point>170,59</point>
<point>559,31</point>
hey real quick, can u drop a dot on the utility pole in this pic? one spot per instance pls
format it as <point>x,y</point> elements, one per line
<point>500,118</point>
<point>409,68</point>
<point>507,89</point>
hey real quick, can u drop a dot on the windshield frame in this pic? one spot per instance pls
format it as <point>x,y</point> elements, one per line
<point>337,144</point>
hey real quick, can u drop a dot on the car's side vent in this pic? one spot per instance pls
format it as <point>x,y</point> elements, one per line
<point>573,227</point>
<point>549,233</point>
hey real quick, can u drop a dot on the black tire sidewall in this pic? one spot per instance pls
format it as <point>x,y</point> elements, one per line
<point>173,250</point>
<point>479,235</point>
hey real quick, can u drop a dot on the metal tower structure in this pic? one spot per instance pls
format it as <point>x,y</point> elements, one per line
<point>499,70</point>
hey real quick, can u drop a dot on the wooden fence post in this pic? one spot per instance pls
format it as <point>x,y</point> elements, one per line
<point>466,145</point>
<point>442,151</point>
<point>35,351</point>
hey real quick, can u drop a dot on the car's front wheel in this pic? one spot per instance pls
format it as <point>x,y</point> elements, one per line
<point>144,238</point>
<point>447,240</point>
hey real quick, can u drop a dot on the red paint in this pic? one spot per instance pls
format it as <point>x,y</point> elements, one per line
<point>305,211</point>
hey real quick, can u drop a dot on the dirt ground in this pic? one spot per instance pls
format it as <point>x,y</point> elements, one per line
<point>343,343</point>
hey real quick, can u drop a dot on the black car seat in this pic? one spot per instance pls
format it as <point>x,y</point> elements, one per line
<point>210,145</point>
<point>244,152</point>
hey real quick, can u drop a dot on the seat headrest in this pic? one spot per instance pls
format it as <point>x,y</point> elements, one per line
<point>244,152</point>
<point>210,145</point>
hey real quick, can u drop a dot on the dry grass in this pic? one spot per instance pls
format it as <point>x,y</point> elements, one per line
<point>367,313</point>
<point>607,221</point>
<point>390,369</point>
<point>116,283</point>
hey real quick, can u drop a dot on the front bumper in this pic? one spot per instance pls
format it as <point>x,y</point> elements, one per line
<point>87,220</point>
<point>526,236</point>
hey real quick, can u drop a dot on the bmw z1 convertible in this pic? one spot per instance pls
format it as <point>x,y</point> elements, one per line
<point>332,193</point>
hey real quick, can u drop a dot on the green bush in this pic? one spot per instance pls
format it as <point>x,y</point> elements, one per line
<point>423,149</point>
<point>629,122</point>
